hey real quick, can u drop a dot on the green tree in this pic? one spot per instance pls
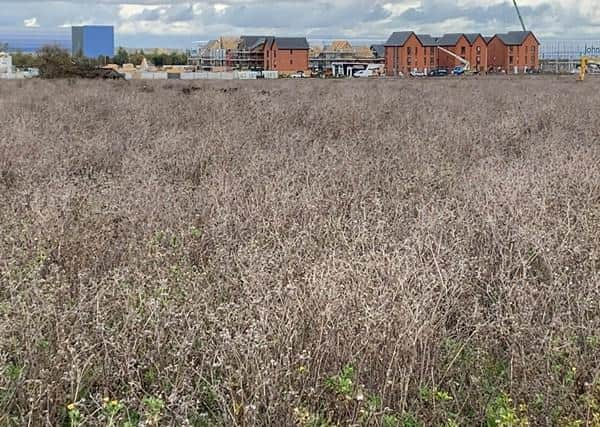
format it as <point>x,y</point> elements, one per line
<point>122,57</point>
<point>136,58</point>
<point>24,60</point>
<point>54,60</point>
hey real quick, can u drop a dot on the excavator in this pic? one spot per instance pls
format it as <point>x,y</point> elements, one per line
<point>586,61</point>
<point>466,67</point>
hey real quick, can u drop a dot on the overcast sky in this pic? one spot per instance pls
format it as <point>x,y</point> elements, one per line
<point>145,23</point>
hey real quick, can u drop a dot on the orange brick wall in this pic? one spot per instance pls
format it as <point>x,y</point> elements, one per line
<point>526,55</point>
<point>478,56</point>
<point>462,48</point>
<point>398,59</point>
<point>497,54</point>
<point>523,56</point>
<point>285,60</point>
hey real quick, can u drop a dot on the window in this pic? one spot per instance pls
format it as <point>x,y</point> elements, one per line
<point>416,51</point>
<point>409,50</point>
<point>532,59</point>
<point>478,49</point>
<point>510,48</point>
<point>291,52</point>
<point>510,60</point>
<point>463,50</point>
<point>291,62</point>
<point>478,59</point>
<point>432,60</point>
<point>409,60</point>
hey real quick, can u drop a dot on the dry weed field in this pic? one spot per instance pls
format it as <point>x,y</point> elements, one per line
<point>311,253</point>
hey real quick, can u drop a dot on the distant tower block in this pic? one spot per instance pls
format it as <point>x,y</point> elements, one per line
<point>92,41</point>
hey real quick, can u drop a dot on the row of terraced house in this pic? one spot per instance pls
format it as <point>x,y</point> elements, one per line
<point>512,52</point>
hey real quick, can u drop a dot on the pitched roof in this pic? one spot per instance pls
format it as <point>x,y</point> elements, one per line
<point>315,51</point>
<point>229,42</point>
<point>513,38</point>
<point>488,38</point>
<point>252,42</point>
<point>212,44</point>
<point>379,50</point>
<point>299,43</point>
<point>398,38</point>
<point>363,52</point>
<point>472,37</point>
<point>427,40</point>
<point>223,43</point>
<point>340,45</point>
<point>449,39</point>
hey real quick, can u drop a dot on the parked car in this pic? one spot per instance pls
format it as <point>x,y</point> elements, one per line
<point>458,71</point>
<point>532,71</point>
<point>372,70</point>
<point>440,72</point>
<point>417,73</point>
<point>298,75</point>
<point>363,73</point>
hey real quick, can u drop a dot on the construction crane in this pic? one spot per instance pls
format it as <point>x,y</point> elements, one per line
<point>519,15</point>
<point>466,64</point>
<point>585,62</point>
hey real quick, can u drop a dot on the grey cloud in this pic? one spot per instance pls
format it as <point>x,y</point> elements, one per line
<point>301,15</point>
<point>285,17</point>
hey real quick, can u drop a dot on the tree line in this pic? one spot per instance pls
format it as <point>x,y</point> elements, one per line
<point>60,55</point>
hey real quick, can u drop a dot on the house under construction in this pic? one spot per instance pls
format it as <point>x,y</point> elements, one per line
<point>341,56</point>
<point>216,54</point>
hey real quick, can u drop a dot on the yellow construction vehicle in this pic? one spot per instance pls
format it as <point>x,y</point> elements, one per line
<point>586,61</point>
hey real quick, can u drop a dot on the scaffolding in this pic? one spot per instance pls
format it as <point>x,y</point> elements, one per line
<point>324,59</point>
<point>214,55</point>
<point>564,56</point>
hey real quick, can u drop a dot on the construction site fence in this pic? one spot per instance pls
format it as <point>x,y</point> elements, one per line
<point>230,75</point>
<point>14,76</point>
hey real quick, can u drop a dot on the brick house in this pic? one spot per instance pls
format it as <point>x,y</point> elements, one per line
<point>286,54</point>
<point>478,52</point>
<point>456,43</point>
<point>514,52</point>
<point>431,53</point>
<point>403,53</point>
<point>406,51</point>
<point>470,47</point>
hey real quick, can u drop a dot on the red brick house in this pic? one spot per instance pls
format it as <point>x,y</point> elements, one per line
<point>514,52</point>
<point>431,54</point>
<point>286,54</point>
<point>456,43</point>
<point>403,53</point>
<point>470,47</point>
<point>406,51</point>
<point>478,52</point>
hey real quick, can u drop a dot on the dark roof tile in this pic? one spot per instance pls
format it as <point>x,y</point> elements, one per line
<point>299,43</point>
<point>398,38</point>
<point>514,38</point>
<point>449,39</point>
<point>427,40</point>
<point>379,50</point>
<point>472,37</point>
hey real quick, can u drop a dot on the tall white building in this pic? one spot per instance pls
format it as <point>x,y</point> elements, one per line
<point>5,63</point>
